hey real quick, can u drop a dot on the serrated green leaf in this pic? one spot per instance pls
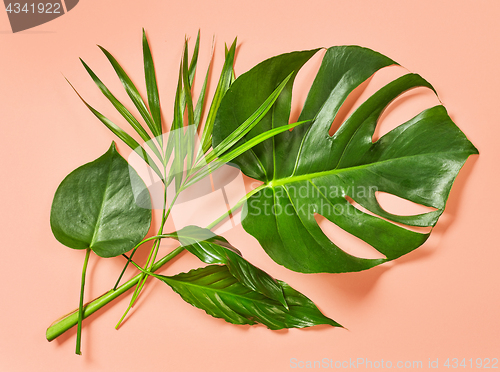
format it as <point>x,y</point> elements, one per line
<point>221,295</point>
<point>95,207</point>
<point>214,249</point>
<point>308,172</point>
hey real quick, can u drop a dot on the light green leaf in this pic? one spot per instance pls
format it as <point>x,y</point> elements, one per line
<point>151,86</point>
<point>95,207</point>
<point>122,110</point>
<point>251,121</point>
<point>176,137</point>
<point>214,249</point>
<point>133,93</point>
<point>121,134</point>
<point>204,170</point>
<point>194,59</point>
<point>220,91</point>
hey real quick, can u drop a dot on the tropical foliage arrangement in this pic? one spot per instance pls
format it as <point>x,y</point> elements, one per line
<point>104,206</point>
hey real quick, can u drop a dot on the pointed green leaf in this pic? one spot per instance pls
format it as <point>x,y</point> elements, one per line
<point>233,77</point>
<point>176,137</point>
<point>249,123</point>
<point>133,93</point>
<point>201,172</point>
<point>201,99</point>
<point>221,295</point>
<point>123,111</point>
<point>188,139</point>
<point>194,59</point>
<point>121,134</point>
<point>214,249</point>
<point>187,86</point>
<point>95,207</point>
<point>151,86</point>
<point>220,91</point>
<point>308,172</point>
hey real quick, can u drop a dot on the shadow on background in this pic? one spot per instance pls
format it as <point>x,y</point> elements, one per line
<point>23,16</point>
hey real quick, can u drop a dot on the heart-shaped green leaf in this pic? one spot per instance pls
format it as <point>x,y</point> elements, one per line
<point>95,207</point>
<point>306,171</point>
<point>214,249</point>
<point>221,295</point>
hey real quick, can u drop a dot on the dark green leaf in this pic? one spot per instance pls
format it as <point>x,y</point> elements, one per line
<point>121,134</point>
<point>213,249</point>
<point>308,172</point>
<point>221,295</point>
<point>133,93</point>
<point>95,207</point>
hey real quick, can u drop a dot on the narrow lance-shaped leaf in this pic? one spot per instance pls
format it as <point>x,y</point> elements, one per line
<point>201,98</point>
<point>233,76</point>
<point>220,91</point>
<point>189,139</point>
<point>194,59</point>
<point>203,171</point>
<point>308,172</point>
<point>191,69</point>
<point>133,93</point>
<point>121,134</point>
<point>187,86</point>
<point>151,85</point>
<point>123,111</point>
<point>214,249</point>
<point>199,172</point>
<point>221,295</point>
<point>249,123</point>
<point>176,138</point>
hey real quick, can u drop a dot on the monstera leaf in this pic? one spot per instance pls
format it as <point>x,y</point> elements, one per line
<point>307,172</point>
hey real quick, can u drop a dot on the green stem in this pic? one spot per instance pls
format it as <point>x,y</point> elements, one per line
<point>151,258</point>
<point>62,325</point>
<point>80,308</point>
<point>68,321</point>
<point>150,261</point>
<point>236,207</point>
<point>133,252</point>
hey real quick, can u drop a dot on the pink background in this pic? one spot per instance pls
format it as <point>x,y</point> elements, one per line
<point>441,301</point>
